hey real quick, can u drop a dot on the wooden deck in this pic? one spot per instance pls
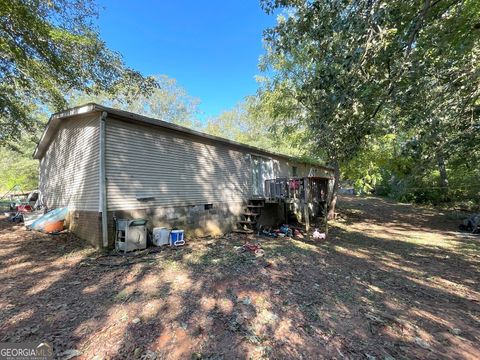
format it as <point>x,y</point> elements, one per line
<point>305,195</point>
<point>306,189</point>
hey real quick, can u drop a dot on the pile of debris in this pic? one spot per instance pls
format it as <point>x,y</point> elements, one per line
<point>471,224</point>
<point>289,231</point>
<point>35,215</point>
<point>255,249</point>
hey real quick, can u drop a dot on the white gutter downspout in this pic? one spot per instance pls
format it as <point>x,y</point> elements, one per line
<point>103,188</point>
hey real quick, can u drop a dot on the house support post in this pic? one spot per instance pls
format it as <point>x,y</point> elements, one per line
<point>306,203</point>
<point>307,217</point>
<point>103,183</point>
<point>326,217</point>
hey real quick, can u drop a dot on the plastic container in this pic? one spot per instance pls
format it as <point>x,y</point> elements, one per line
<point>53,216</point>
<point>176,238</point>
<point>29,218</point>
<point>53,227</point>
<point>24,208</point>
<point>160,236</point>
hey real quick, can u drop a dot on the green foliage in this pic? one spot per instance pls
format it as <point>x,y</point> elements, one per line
<point>17,168</point>
<point>168,102</point>
<point>353,72</point>
<point>49,48</point>
<point>248,123</point>
<point>395,167</point>
<point>367,168</point>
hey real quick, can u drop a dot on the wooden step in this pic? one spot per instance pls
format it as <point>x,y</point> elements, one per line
<point>254,206</point>
<point>248,213</point>
<point>243,231</point>
<point>246,222</point>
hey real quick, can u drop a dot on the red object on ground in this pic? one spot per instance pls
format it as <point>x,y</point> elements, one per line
<point>54,226</point>
<point>24,208</point>
<point>297,233</point>
<point>252,247</point>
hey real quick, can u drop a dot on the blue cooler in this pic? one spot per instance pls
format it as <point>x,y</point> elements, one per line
<point>176,238</point>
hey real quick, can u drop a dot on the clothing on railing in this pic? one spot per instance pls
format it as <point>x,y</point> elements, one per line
<point>294,184</point>
<point>310,189</point>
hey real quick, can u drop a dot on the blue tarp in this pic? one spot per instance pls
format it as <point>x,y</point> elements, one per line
<point>52,216</point>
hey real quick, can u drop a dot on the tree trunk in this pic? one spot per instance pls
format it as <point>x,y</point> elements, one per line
<point>443,171</point>
<point>333,198</point>
<point>444,197</point>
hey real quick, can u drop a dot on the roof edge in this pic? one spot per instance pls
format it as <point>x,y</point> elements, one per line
<point>53,123</point>
<point>133,117</point>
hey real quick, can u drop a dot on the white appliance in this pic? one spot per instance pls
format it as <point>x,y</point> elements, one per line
<point>131,235</point>
<point>161,236</point>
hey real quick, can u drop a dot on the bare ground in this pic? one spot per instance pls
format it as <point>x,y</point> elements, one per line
<point>392,281</point>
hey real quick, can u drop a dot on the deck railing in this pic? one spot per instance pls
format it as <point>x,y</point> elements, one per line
<point>306,189</point>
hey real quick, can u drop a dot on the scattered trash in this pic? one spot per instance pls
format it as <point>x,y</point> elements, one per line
<point>233,325</point>
<point>53,227</point>
<point>20,211</point>
<point>48,220</point>
<point>285,229</point>
<point>137,352</point>
<point>69,354</point>
<point>149,355</point>
<point>317,235</point>
<point>471,224</point>
<point>24,208</point>
<point>268,233</point>
<point>455,331</point>
<point>136,321</point>
<point>196,356</point>
<point>29,218</point>
<point>422,343</point>
<point>259,253</point>
<point>253,248</point>
<point>297,234</point>
<point>256,249</point>
<point>246,301</point>
<point>16,218</point>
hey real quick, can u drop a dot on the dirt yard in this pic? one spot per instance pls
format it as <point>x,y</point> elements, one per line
<point>392,281</point>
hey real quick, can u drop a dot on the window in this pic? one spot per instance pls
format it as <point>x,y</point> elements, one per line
<point>294,171</point>
<point>208,206</point>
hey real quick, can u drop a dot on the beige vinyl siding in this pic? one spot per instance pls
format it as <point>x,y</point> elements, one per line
<point>69,169</point>
<point>170,167</point>
<point>284,168</point>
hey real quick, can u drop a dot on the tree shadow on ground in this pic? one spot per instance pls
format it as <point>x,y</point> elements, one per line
<point>353,296</point>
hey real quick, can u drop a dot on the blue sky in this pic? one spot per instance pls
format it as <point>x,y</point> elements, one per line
<point>210,47</point>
